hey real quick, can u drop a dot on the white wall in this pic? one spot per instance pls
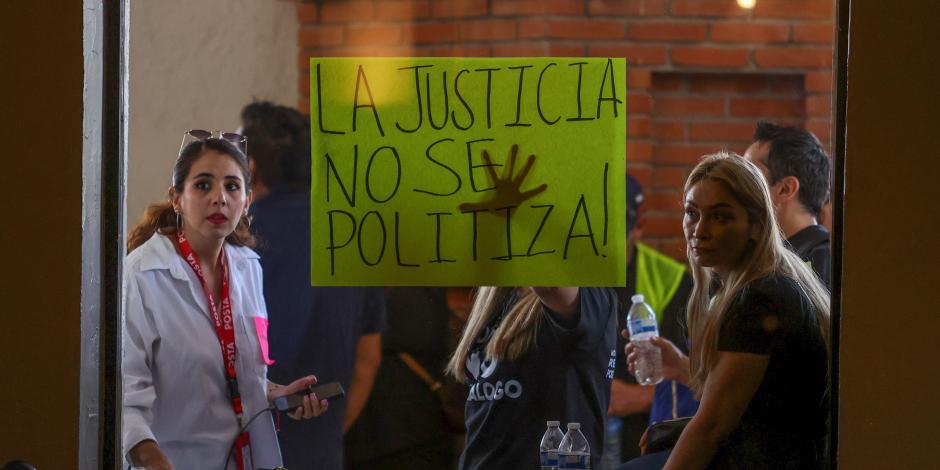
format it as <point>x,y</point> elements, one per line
<point>194,64</point>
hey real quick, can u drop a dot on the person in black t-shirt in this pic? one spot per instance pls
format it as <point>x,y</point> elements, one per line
<point>797,170</point>
<point>404,425</point>
<point>758,322</point>
<point>530,355</point>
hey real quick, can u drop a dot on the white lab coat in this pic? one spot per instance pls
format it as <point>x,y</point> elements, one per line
<point>174,380</point>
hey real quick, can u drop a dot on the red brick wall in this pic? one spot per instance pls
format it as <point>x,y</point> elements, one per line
<point>700,72</point>
<point>692,114</point>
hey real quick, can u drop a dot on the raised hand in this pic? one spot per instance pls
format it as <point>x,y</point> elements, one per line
<point>507,192</point>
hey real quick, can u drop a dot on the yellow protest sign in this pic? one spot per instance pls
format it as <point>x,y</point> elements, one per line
<point>468,171</point>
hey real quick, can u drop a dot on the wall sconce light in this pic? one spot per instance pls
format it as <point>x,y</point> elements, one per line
<point>748,4</point>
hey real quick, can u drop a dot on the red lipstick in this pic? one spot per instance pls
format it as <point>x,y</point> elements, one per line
<point>217,218</point>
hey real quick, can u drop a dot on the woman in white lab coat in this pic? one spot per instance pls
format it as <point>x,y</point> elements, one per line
<point>192,280</point>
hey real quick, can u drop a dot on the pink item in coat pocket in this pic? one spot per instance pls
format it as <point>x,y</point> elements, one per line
<point>261,328</point>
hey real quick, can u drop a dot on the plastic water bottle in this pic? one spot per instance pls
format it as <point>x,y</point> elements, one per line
<point>548,448</point>
<point>612,443</point>
<point>574,450</point>
<point>641,320</point>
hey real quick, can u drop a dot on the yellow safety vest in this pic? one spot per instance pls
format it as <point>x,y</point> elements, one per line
<point>657,278</point>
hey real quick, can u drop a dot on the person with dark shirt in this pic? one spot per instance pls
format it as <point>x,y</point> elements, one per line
<point>530,355</point>
<point>335,331</point>
<point>404,424</point>
<point>797,170</point>
<point>759,323</point>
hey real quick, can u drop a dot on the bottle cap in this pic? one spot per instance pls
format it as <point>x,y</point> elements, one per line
<point>553,423</point>
<point>638,298</point>
<point>574,425</point>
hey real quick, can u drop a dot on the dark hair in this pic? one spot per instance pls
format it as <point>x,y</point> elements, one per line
<point>797,152</point>
<point>280,144</point>
<point>161,218</point>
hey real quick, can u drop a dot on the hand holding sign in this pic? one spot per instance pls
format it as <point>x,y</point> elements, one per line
<point>507,189</point>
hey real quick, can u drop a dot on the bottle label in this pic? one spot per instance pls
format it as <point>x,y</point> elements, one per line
<point>642,326</point>
<point>548,458</point>
<point>578,461</point>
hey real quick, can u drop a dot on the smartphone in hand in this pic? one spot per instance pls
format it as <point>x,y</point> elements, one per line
<point>328,391</point>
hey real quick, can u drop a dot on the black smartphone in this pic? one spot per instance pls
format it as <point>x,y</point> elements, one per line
<point>328,391</point>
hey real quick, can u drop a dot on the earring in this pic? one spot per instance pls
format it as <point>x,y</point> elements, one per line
<point>179,221</point>
<point>247,218</point>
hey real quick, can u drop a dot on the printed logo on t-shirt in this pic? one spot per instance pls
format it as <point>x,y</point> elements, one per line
<point>611,364</point>
<point>481,369</point>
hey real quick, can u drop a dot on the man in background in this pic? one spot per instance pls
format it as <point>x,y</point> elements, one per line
<point>797,170</point>
<point>332,332</point>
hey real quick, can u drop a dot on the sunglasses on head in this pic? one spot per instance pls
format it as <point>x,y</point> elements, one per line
<point>196,135</point>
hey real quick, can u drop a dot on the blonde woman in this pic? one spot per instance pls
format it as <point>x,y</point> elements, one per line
<point>759,326</point>
<point>530,355</point>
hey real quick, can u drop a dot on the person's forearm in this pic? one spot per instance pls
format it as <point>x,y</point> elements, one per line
<point>359,391</point>
<point>642,405</point>
<point>627,398</point>
<point>684,377</point>
<point>695,449</point>
<point>368,360</point>
<point>731,385</point>
<point>146,454</point>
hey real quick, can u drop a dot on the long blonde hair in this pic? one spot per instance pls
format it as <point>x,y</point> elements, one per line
<point>766,255</point>
<point>514,335</point>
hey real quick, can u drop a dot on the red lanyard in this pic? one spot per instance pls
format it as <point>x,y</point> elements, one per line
<point>224,328</point>
<point>225,331</point>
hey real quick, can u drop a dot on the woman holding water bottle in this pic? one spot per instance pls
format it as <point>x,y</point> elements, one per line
<point>531,355</point>
<point>759,326</point>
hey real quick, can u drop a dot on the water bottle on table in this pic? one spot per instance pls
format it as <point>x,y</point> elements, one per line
<point>574,450</point>
<point>641,321</point>
<point>548,448</point>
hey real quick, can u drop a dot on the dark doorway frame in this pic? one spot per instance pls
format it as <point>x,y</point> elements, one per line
<point>839,136</point>
<point>104,37</point>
